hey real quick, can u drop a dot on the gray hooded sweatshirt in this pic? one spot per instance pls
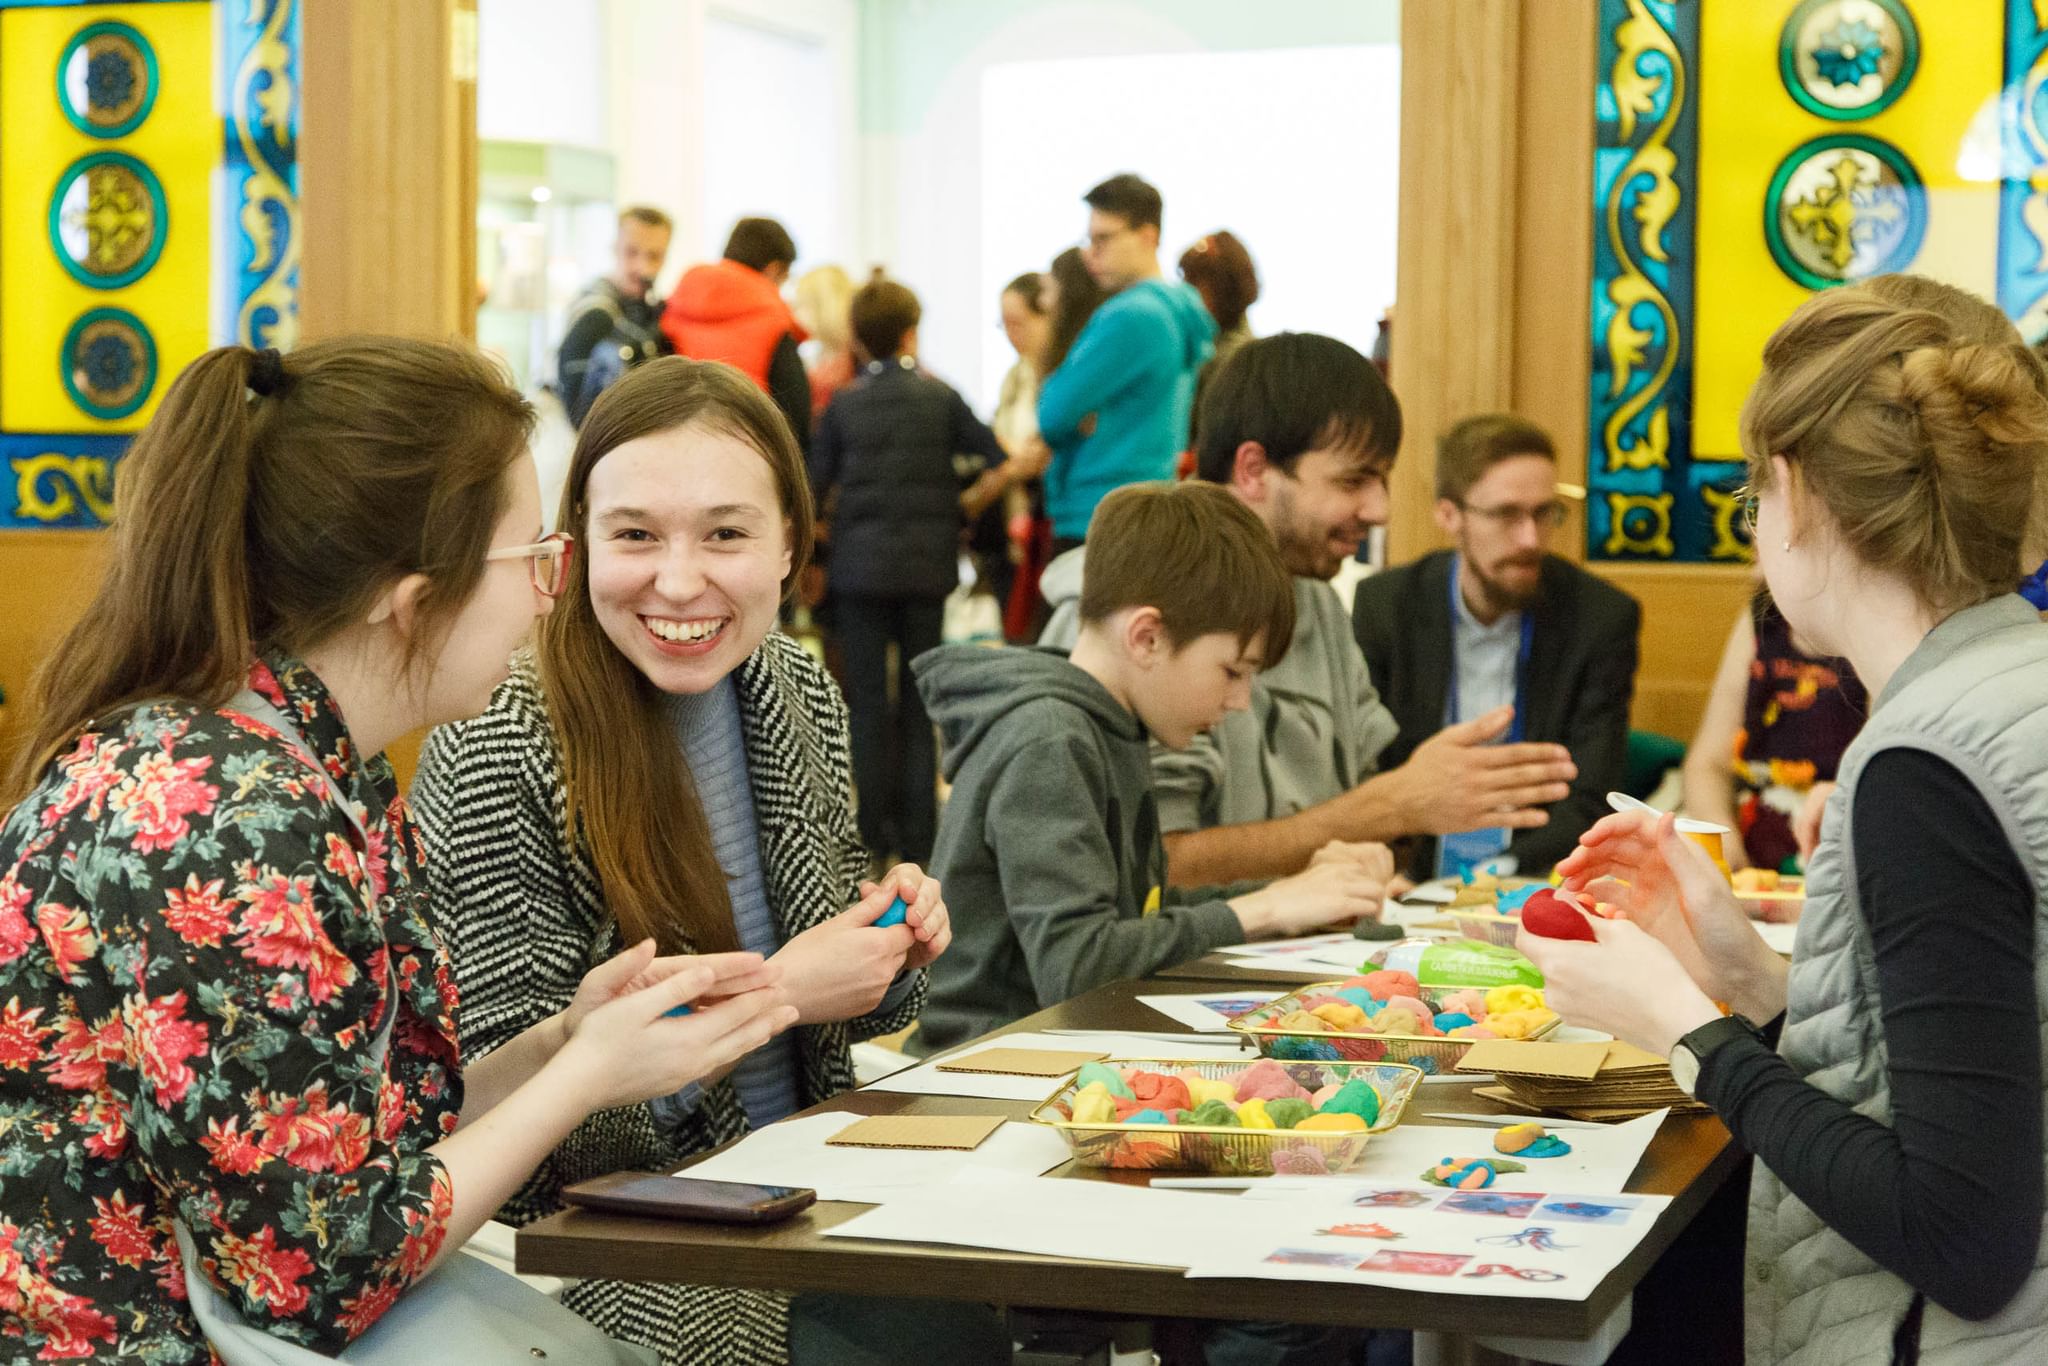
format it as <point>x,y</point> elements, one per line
<point>1049,845</point>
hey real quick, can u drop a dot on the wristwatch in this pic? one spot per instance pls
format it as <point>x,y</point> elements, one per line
<point>1690,1052</point>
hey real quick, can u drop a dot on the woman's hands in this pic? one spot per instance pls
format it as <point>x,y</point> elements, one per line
<point>1626,982</point>
<point>1668,887</point>
<point>842,969</point>
<point>624,1047</point>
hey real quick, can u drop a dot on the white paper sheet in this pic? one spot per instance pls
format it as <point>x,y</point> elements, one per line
<point>1208,1012</point>
<point>1099,1220</point>
<point>1600,1162</point>
<point>1412,1236</point>
<point>1282,950</point>
<point>795,1153</point>
<point>927,1080</point>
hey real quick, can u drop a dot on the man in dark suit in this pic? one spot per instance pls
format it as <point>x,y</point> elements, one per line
<point>1499,621</point>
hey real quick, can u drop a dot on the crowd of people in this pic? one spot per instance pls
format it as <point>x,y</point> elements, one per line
<point>277,1040</point>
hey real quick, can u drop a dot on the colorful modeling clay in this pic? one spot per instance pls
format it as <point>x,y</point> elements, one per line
<point>1287,1112</point>
<point>1552,917</point>
<point>1470,1001</point>
<point>1202,1090</point>
<point>1509,900</point>
<point>1469,1173</point>
<point>1341,1015</point>
<point>1330,1123</point>
<point>1412,1003</point>
<point>1323,1094</point>
<point>1162,1091</point>
<point>1512,996</point>
<point>1253,1115</point>
<point>1395,1021</point>
<point>1472,1032</point>
<point>1530,1140</point>
<point>1354,1097</point>
<point>898,912</point>
<point>1147,1116</point>
<point>1215,1113</point>
<point>1519,1024</point>
<point>1092,1073</point>
<point>1452,1019</point>
<point>1361,998</point>
<point>1093,1104</point>
<point>1387,985</point>
<point>1267,1080</point>
<point>1301,1022</point>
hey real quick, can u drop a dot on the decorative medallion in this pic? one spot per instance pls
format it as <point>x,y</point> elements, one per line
<point>107,220</point>
<point>1842,208</point>
<point>1848,59</point>
<point>109,363</point>
<point>107,80</point>
<point>1639,524</point>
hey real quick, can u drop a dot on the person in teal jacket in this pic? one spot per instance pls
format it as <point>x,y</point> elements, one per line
<point>1116,410</point>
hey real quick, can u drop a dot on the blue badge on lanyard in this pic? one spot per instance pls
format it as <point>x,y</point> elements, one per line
<point>1459,854</point>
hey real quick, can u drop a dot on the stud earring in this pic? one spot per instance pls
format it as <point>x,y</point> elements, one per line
<point>1788,545</point>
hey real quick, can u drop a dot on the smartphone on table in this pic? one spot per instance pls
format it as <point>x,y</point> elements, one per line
<point>682,1197</point>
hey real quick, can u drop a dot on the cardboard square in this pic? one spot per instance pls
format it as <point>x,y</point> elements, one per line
<point>1625,1056</point>
<point>1522,1057</point>
<point>962,1132</point>
<point>1021,1062</point>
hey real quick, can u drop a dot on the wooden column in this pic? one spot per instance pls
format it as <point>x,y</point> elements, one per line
<point>1494,308</point>
<point>388,168</point>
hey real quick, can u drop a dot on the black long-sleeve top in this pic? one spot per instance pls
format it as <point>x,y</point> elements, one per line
<point>1949,1197</point>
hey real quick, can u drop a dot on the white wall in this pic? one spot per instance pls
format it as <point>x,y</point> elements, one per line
<point>541,71</point>
<point>700,122</point>
<point>932,190</point>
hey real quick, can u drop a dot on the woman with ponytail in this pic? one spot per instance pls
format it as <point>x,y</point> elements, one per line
<point>233,1114</point>
<point>1891,1081</point>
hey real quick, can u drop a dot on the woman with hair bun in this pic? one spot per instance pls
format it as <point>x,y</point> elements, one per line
<point>1894,1093</point>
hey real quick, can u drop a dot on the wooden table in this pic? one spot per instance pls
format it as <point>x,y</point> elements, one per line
<point>1690,1159</point>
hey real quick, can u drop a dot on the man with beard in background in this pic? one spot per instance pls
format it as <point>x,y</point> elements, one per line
<point>1498,621</point>
<point>1303,430</point>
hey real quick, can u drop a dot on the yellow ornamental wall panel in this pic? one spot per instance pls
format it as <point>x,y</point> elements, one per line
<point>1752,123</point>
<point>108,253</point>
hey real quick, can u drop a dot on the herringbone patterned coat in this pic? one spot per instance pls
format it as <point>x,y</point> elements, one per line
<point>524,917</point>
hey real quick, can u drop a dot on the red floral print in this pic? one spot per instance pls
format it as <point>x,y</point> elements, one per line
<point>281,928</point>
<point>197,945</point>
<point>163,1040</point>
<point>119,1228</point>
<point>266,1273</point>
<point>199,914</point>
<point>20,1036</point>
<point>67,936</point>
<point>157,797</point>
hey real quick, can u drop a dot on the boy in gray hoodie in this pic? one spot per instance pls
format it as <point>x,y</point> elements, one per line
<point>1049,847</point>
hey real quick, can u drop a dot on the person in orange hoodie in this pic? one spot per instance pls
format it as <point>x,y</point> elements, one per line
<point>732,310</point>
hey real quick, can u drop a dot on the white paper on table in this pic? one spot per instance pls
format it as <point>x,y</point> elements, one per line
<point>1506,1242</point>
<point>1208,1012</point>
<point>1778,935</point>
<point>1281,950</point>
<point>1600,1162</point>
<point>927,1080</point>
<point>795,1153</point>
<point>1099,1220</point>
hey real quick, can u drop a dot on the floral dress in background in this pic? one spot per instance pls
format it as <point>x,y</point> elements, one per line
<point>219,1002</point>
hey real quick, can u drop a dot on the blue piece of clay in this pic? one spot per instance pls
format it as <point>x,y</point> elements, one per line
<point>898,911</point>
<point>674,1011</point>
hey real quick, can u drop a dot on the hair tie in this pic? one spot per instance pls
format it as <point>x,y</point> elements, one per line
<point>266,373</point>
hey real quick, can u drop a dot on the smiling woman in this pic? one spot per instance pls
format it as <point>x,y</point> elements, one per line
<point>667,764</point>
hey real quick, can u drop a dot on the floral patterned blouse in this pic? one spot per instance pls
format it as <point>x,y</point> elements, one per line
<point>220,1002</point>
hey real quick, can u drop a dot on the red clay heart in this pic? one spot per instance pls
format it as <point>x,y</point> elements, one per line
<point>1551,916</point>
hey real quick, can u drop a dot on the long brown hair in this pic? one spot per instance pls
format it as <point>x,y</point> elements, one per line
<point>1079,297</point>
<point>246,522</point>
<point>630,799</point>
<point>1923,438</point>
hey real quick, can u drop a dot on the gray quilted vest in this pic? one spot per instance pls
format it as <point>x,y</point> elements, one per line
<point>1975,692</point>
